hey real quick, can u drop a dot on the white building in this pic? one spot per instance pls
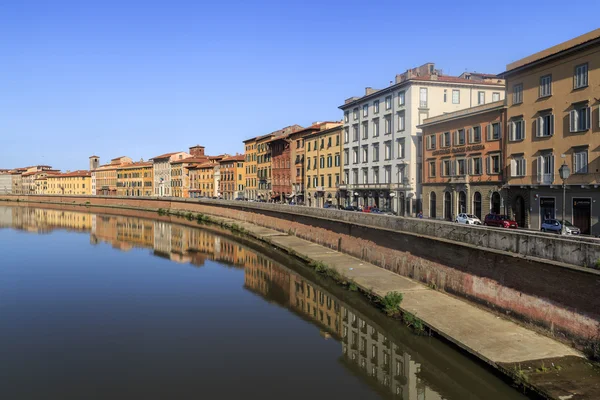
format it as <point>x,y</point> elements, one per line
<point>162,172</point>
<point>5,182</point>
<point>382,145</point>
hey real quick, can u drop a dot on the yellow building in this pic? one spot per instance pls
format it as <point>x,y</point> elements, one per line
<point>202,182</point>
<point>106,176</point>
<point>323,152</point>
<point>180,174</point>
<point>233,177</point>
<point>74,183</point>
<point>250,168</point>
<point>135,179</point>
<point>263,166</point>
<point>552,120</point>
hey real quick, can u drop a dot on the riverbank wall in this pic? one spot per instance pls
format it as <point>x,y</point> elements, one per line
<point>544,290</point>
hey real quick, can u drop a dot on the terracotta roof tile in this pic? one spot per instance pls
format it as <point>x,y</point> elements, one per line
<point>165,155</point>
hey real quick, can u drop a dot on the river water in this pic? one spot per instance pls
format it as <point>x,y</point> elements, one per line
<point>97,306</point>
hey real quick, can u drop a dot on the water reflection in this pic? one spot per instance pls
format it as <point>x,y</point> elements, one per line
<point>392,362</point>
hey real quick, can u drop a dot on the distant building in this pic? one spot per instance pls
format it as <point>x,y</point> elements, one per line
<point>162,172</point>
<point>323,150</point>
<point>135,179</point>
<point>70,183</point>
<point>104,177</point>
<point>232,177</point>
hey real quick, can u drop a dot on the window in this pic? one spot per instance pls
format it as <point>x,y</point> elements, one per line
<point>355,155</point>
<point>476,168</point>
<point>308,148</point>
<point>346,177</point>
<point>375,175</point>
<point>430,142</point>
<point>446,139</point>
<point>376,107</point>
<point>346,136</point>
<point>355,113</point>
<point>461,166</point>
<point>580,79</point>
<point>579,119</point>
<point>475,134</point>
<point>459,138</point>
<point>494,164</point>
<point>494,131</point>
<point>516,130</point>
<point>365,130</point>
<point>388,124</point>
<point>346,116</point>
<point>545,125</point>
<point>355,133</point>
<point>329,180</point>
<point>375,152</point>
<point>387,174</point>
<point>545,86</point>
<point>366,110</point>
<point>322,162</point>
<point>432,169</point>
<point>401,98</point>
<point>365,154</point>
<point>480,97</point>
<point>365,176</point>
<point>446,168</point>
<point>355,175</point>
<point>388,150</point>
<point>376,127</point>
<point>337,159</point>
<point>518,166</point>
<point>495,96</point>
<point>314,162</point>
<point>346,157</point>
<point>388,102</point>
<point>315,181</point>
<point>545,168</point>
<point>337,140</point>
<point>423,97</point>
<point>329,161</point>
<point>400,152</point>
<point>329,142</point>
<point>455,96</point>
<point>445,95</point>
<point>401,121</point>
<point>580,162</point>
<point>518,93</point>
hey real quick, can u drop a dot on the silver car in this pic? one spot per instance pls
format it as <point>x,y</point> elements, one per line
<point>468,219</point>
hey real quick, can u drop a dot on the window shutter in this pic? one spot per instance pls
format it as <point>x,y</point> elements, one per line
<point>487,165</point>
<point>575,157</point>
<point>470,135</point>
<point>453,168</point>
<point>489,129</point>
<point>513,167</point>
<point>540,164</point>
<point>511,131</point>
<point>455,137</point>
<point>588,118</point>
<point>551,124</point>
<point>428,142</point>
<point>524,166</point>
<point>540,127</point>
<point>524,126</point>
<point>573,121</point>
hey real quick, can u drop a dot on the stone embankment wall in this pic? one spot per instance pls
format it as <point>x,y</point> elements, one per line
<point>530,276</point>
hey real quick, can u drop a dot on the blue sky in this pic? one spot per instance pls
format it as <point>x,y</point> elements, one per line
<point>141,78</point>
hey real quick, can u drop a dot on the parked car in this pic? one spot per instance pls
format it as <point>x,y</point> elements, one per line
<point>468,219</point>
<point>388,212</point>
<point>350,208</point>
<point>500,221</point>
<point>554,225</point>
<point>240,199</point>
<point>371,209</point>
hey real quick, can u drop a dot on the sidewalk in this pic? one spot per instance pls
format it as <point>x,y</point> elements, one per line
<point>481,333</point>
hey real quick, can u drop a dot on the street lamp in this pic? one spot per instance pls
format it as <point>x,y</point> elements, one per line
<point>564,172</point>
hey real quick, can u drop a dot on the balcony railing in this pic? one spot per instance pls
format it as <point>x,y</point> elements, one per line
<point>372,186</point>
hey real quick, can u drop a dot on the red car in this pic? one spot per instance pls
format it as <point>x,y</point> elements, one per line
<point>500,221</point>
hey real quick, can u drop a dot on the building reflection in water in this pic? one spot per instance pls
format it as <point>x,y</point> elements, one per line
<point>366,349</point>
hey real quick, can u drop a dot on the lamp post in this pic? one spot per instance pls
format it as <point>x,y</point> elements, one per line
<point>564,172</point>
<point>405,182</point>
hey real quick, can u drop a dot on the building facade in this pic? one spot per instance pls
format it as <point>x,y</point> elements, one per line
<point>263,167</point>
<point>105,176</point>
<point>382,144</point>
<point>323,151</point>
<point>162,172</point>
<point>251,186</point>
<point>135,179</point>
<point>202,180</point>
<point>232,177</point>
<point>280,167</point>
<point>552,119</point>
<point>5,182</point>
<point>463,162</point>
<point>70,183</point>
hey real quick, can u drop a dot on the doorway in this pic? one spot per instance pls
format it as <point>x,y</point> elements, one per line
<point>519,211</point>
<point>495,203</point>
<point>462,202</point>
<point>477,204</point>
<point>432,205</point>
<point>582,214</point>
<point>547,208</point>
<point>447,206</point>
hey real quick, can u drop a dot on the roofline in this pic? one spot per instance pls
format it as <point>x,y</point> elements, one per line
<point>325,131</point>
<point>413,80</point>
<point>548,58</point>
<point>457,116</point>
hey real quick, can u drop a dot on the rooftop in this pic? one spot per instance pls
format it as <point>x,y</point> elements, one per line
<point>73,174</point>
<point>554,50</point>
<point>237,157</point>
<point>165,155</point>
<point>135,165</point>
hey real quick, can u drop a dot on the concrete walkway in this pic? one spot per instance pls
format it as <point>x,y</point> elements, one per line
<point>477,331</point>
